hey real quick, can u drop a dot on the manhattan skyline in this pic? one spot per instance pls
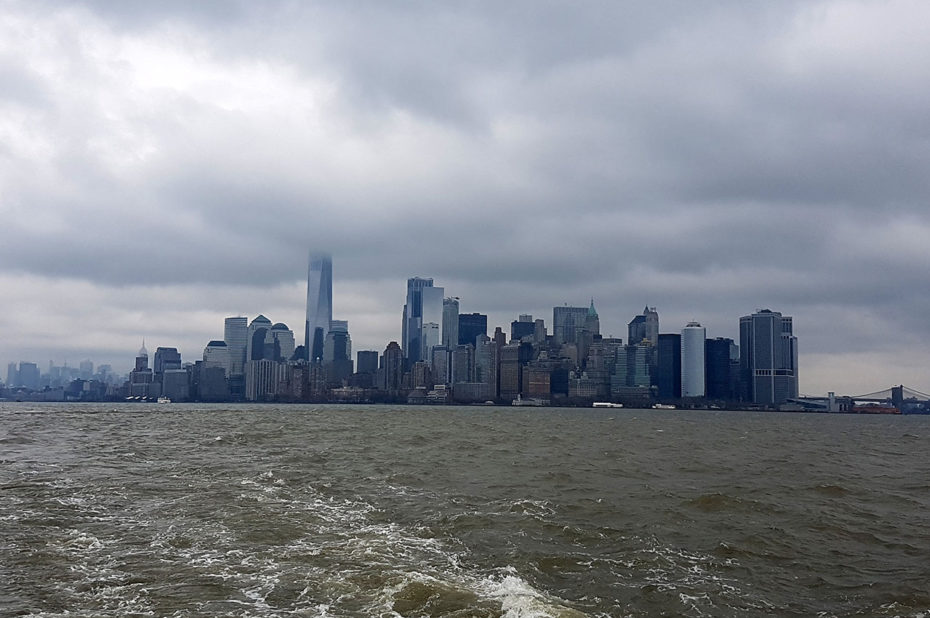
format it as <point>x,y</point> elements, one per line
<point>169,166</point>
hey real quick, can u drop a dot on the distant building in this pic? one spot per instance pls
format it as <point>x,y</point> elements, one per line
<point>28,375</point>
<point>511,372</point>
<point>260,343</point>
<point>319,304</point>
<point>590,331</point>
<point>87,368</point>
<point>539,330</point>
<point>631,382</point>
<point>471,326</point>
<point>718,363</point>
<point>216,354</point>
<point>536,382</point>
<point>450,322</point>
<point>463,364</point>
<point>668,367</point>
<point>429,339</point>
<point>141,377</point>
<point>165,359</point>
<point>631,368</point>
<point>283,344</point>
<point>421,376</point>
<point>768,358</point>
<point>366,361</point>
<point>263,379</point>
<point>567,322</point>
<point>522,327</point>
<point>236,336</point>
<point>337,353</point>
<point>692,360</point>
<point>644,328</point>
<point>392,367</point>
<point>176,384</point>
<point>441,365</point>
<point>213,385</point>
<point>486,368</point>
<point>424,305</point>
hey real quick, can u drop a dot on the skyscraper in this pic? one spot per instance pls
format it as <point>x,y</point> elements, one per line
<point>337,353</point>
<point>283,340</point>
<point>319,304</point>
<point>692,360</point>
<point>450,322</point>
<point>567,322</point>
<point>718,361</point>
<point>236,336</point>
<point>522,327</point>
<point>768,357</point>
<point>471,326</point>
<point>644,328</point>
<point>259,343</point>
<point>424,306</point>
<point>366,361</point>
<point>28,374</point>
<point>668,367</point>
<point>392,367</point>
<point>216,354</point>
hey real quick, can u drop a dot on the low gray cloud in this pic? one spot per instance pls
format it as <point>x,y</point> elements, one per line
<point>705,160</point>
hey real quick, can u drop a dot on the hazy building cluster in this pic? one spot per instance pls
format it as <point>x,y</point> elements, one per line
<point>26,380</point>
<point>447,355</point>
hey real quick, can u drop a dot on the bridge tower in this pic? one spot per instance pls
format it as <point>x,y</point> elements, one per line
<point>897,396</point>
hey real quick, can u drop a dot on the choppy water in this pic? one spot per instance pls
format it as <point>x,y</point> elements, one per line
<point>391,511</point>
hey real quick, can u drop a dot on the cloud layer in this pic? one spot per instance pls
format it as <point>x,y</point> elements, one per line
<point>164,165</point>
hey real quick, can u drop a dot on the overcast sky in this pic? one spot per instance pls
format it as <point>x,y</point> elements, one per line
<point>164,165</point>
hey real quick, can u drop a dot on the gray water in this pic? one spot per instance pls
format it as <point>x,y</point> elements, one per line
<point>192,510</point>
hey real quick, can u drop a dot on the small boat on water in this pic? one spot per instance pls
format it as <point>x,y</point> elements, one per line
<point>163,400</point>
<point>606,404</point>
<point>663,406</point>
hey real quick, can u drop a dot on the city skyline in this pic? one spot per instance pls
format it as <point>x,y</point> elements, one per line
<point>171,166</point>
<point>194,351</point>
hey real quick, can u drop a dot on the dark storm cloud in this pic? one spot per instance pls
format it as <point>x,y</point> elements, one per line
<point>709,160</point>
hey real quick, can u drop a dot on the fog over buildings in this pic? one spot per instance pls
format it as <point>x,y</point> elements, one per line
<point>164,166</point>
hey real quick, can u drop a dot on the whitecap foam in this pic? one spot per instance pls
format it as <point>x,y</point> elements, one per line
<point>519,599</point>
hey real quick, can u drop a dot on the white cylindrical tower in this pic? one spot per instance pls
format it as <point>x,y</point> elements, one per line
<point>692,360</point>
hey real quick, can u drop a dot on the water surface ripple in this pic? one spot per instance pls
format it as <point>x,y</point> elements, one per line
<point>193,510</point>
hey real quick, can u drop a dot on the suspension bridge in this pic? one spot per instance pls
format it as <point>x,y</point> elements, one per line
<point>899,393</point>
<point>895,397</point>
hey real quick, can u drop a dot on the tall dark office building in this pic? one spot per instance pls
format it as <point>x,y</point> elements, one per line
<point>668,366</point>
<point>319,305</point>
<point>523,327</point>
<point>717,368</point>
<point>471,325</point>
<point>768,358</point>
<point>366,361</point>
<point>511,372</point>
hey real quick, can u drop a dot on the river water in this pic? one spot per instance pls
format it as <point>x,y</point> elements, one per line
<point>195,510</point>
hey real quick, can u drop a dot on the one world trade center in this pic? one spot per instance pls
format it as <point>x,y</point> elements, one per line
<point>319,304</point>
